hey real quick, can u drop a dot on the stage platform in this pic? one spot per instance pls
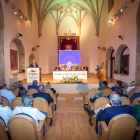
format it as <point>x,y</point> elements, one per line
<point>90,82</point>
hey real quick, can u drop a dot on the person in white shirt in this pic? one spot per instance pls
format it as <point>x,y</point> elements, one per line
<point>132,85</point>
<point>6,93</point>
<point>27,108</point>
<point>5,112</point>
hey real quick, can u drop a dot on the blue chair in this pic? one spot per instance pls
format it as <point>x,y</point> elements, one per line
<point>23,127</point>
<point>120,127</point>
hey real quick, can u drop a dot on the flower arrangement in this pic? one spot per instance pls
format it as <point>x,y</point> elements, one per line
<point>72,79</point>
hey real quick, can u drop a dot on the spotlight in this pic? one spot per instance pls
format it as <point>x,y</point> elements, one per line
<point>20,35</point>
<point>120,37</point>
<point>38,46</point>
<point>14,9</point>
<point>20,14</point>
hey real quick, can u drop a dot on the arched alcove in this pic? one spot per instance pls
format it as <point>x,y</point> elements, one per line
<point>109,61</point>
<point>31,58</point>
<point>2,68</point>
<point>118,58</point>
<point>21,52</point>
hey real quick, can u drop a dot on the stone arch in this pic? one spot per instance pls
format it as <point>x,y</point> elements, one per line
<point>118,57</point>
<point>2,67</point>
<point>137,73</point>
<point>31,58</point>
<point>108,57</point>
<point>21,51</point>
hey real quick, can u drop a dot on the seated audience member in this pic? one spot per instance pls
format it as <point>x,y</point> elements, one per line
<point>5,112</point>
<point>85,68</point>
<point>132,85</point>
<point>78,67</point>
<point>48,86</point>
<point>57,68</point>
<point>118,84</point>
<point>119,91</point>
<point>5,93</point>
<point>34,86</point>
<point>41,94</point>
<point>21,92</point>
<point>19,84</point>
<point>135,95</point>
<point>27,101</point>
<point>104,86</point>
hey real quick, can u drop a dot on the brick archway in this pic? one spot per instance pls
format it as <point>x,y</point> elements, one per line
<point>31,58</point>
<point>108,57</point>
<point>20,47</point>
<point>118,57</point>
<point>2,67</point>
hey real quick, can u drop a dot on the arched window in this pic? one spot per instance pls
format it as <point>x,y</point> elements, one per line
<point>29,10</point>
<point>124,68</point>
<point>110,4</point>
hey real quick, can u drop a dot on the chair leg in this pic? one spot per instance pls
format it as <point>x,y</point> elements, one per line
<point>55,108</point>
<point>90,122</point>
<point>51,120</point>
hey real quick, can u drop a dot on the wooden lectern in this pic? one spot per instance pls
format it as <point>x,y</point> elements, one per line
<point>33,73</point>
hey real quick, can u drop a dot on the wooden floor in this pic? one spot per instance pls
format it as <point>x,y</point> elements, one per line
<point>70,121</point>
<point>92,78</point>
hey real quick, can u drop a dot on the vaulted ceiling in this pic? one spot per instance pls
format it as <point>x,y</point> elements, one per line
<point>77,9</point>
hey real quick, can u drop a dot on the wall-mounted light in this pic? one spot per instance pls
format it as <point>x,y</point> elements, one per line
<point>19,35</point>
<point>120,37</point>
<point>34,48</point>
<point>102,48</point>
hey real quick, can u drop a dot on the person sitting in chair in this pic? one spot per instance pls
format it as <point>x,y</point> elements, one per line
<point>22,91</point>
<point>64,67</point>
<point>27,101</point>
<point>104,86</point>
<point>85,68</point>
<point>78,67</point>
<point>34,86</point>
<point>57,68</point>
<point>48,86</point>
<point>118,84</point>
<point>132,85</point>
<point>34,64</point>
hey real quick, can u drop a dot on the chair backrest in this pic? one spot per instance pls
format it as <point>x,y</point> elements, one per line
<point>22,127</point>
<point>41,104</point>
<point>73,67</point>
<point>136,101</point>
<point>32,91</point>
<point>16,91</point>
<point>50,92</point>
<point>125,101</point>
<point>100,102</point>
<point>107,92</point>
<point>5,102</point>
<point>122,127</point>
<point>3,135</point>
<point>131,92</point>
<point>124,91</point>
<point>16,102</point>
<point>90,93</point>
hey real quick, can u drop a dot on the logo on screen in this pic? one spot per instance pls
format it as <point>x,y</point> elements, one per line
<point>68,47</point>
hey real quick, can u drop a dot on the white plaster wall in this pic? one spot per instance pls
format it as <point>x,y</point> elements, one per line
<point>13,25</point>
<point>125,26</point>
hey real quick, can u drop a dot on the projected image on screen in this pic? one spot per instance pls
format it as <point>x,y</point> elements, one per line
<point>69,57</point>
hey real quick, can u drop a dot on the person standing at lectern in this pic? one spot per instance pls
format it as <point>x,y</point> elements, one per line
<point>101,75</point>
<point>34,64</point>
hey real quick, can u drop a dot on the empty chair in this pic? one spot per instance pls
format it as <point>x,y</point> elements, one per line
<point>23,127</point>
<point>136,101</point>
<point>120,127</point>
<point>124,91</point>
<point>42,105</point>
<point>54,96</point>
<point>97,104</point>
<point>3,134</point>
<point>32,91</point>
<point>16,102</point>
<point>107,92</point>
<point>5,102</point>
<point>16,91</point>
<point>131,92</point>
<point>88,95</point>
<point>125,101</point>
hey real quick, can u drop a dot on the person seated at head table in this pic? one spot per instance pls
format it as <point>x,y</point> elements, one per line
<point>27,101</point>
<point>104,86</point>
<point>22,91</point>
<point>78,67</point>
<point>9,95</point>
<point>132,85</point>
<point>64,67</point>
<point>34,86</point>
<point>34,64</point>
<point>85,68</point>
<point>119,91</point>
<point>48,86</point>
<point>5,112</point>
<point>57,68</point>
<point>118,84</point>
